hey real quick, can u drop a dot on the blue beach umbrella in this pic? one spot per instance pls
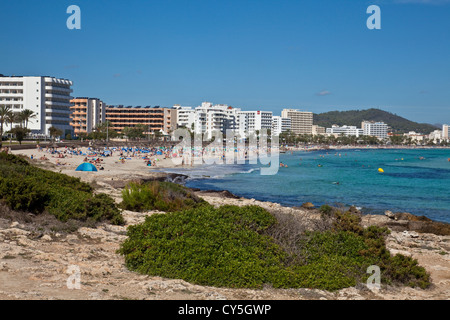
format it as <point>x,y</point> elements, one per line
<point>86,167</point>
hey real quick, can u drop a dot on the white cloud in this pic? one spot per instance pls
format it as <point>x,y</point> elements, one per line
<point>323,93</point>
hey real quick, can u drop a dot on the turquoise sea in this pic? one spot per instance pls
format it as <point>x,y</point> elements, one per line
<point>415,180</point>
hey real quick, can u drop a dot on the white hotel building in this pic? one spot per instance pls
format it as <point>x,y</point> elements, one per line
<point>209,118</point>
<point>256,121</point>
<point>445,132</point>
<point>345,130</point>
<point>48,97</point>
<point>280,125</point>
<point>185,116</point>
<point>377,129</point>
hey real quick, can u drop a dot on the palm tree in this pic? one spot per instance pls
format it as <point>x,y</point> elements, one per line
<point>11,118</point>
<point>55,132</point>
<point>4,111</point>
<point>26,115</point>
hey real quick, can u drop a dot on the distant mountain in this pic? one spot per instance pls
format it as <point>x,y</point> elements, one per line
<point>355,117</point>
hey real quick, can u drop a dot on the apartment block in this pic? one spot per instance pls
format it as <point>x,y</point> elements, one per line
<point>256,121</point>
<point>377,129</point>
<point>280,125</point>
<point>48,97</point>
<point>87,114</point>
<point>211,118</point>
<point>153,118</point>
<point>436,136</point>
<point>185,117</point>
<point>345,130</point>
<point>301,121</point>
<point>318,130</point>
<point>445,133</point>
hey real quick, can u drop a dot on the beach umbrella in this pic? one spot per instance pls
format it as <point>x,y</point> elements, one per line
<point>86,167</point>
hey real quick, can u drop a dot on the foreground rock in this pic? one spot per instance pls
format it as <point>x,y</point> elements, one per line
<point>35,266</point>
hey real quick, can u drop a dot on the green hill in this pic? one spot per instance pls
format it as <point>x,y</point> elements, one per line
<point>355,117</point>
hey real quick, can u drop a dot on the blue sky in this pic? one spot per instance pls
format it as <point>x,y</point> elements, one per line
<point>314,55</point>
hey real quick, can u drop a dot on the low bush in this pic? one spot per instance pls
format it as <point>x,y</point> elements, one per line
<point>234,247</point>
<point>162,196</point>
<point>27,188</point>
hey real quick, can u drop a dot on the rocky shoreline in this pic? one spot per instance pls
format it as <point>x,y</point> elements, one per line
<point>35,256</point>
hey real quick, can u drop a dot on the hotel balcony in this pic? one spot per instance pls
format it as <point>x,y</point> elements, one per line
<point>10,87</point>
<point>64,111</point>
<point>67,90</point>
<point>57,96</point>
<point>78,113</point>
<point>57,118</point>
<point>58,103</point>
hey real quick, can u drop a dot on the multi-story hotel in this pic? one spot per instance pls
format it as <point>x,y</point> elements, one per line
<point>377,129</point>
<point>185,116</point>
<point>280,125</point>
<point>257,120</point>
<point>414,136</point>
<point>153,118</point>
<point>211,118</point>
<point>48,97</point>
<point>345,130</point>
<point>445,133</point>
<point>436,136</point>
<point>208,118</point>
<point>87,114</point>
<point>318,130</point>
<point>301,121</point>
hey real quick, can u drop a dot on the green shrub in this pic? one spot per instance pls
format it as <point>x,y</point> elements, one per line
<point>402,269</point>
<point>162,196</point>
<point>231,247</point>
<point>348,221</point>
<point>219,247</point>
<point>27,188</point>
<point>23,194</point>
<point>326,209</point>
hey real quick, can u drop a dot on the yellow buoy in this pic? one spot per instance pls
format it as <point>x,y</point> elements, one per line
<point>380,170</point>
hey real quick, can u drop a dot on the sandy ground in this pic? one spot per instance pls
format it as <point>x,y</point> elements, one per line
<point>35,264</point>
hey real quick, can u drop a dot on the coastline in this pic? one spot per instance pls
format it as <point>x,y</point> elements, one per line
<point>33,266</point>
<point>135,169</point>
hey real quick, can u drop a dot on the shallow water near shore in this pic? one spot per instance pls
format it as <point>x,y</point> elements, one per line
<point>414,180</point>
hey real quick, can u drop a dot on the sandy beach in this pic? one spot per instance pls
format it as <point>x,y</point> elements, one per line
<point>34,262</point>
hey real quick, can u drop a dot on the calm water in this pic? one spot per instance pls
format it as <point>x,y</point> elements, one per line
<point>348,177</point>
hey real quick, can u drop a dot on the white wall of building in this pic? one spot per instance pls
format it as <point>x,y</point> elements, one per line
<point>345,130</point>
<point>377,129</point>
<point>445,132</point>
<point>185,116</point>
<point>49,98</point>
<point>280,125</point>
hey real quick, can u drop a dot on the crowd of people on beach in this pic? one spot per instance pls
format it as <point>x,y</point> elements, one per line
<point>96,155</point>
